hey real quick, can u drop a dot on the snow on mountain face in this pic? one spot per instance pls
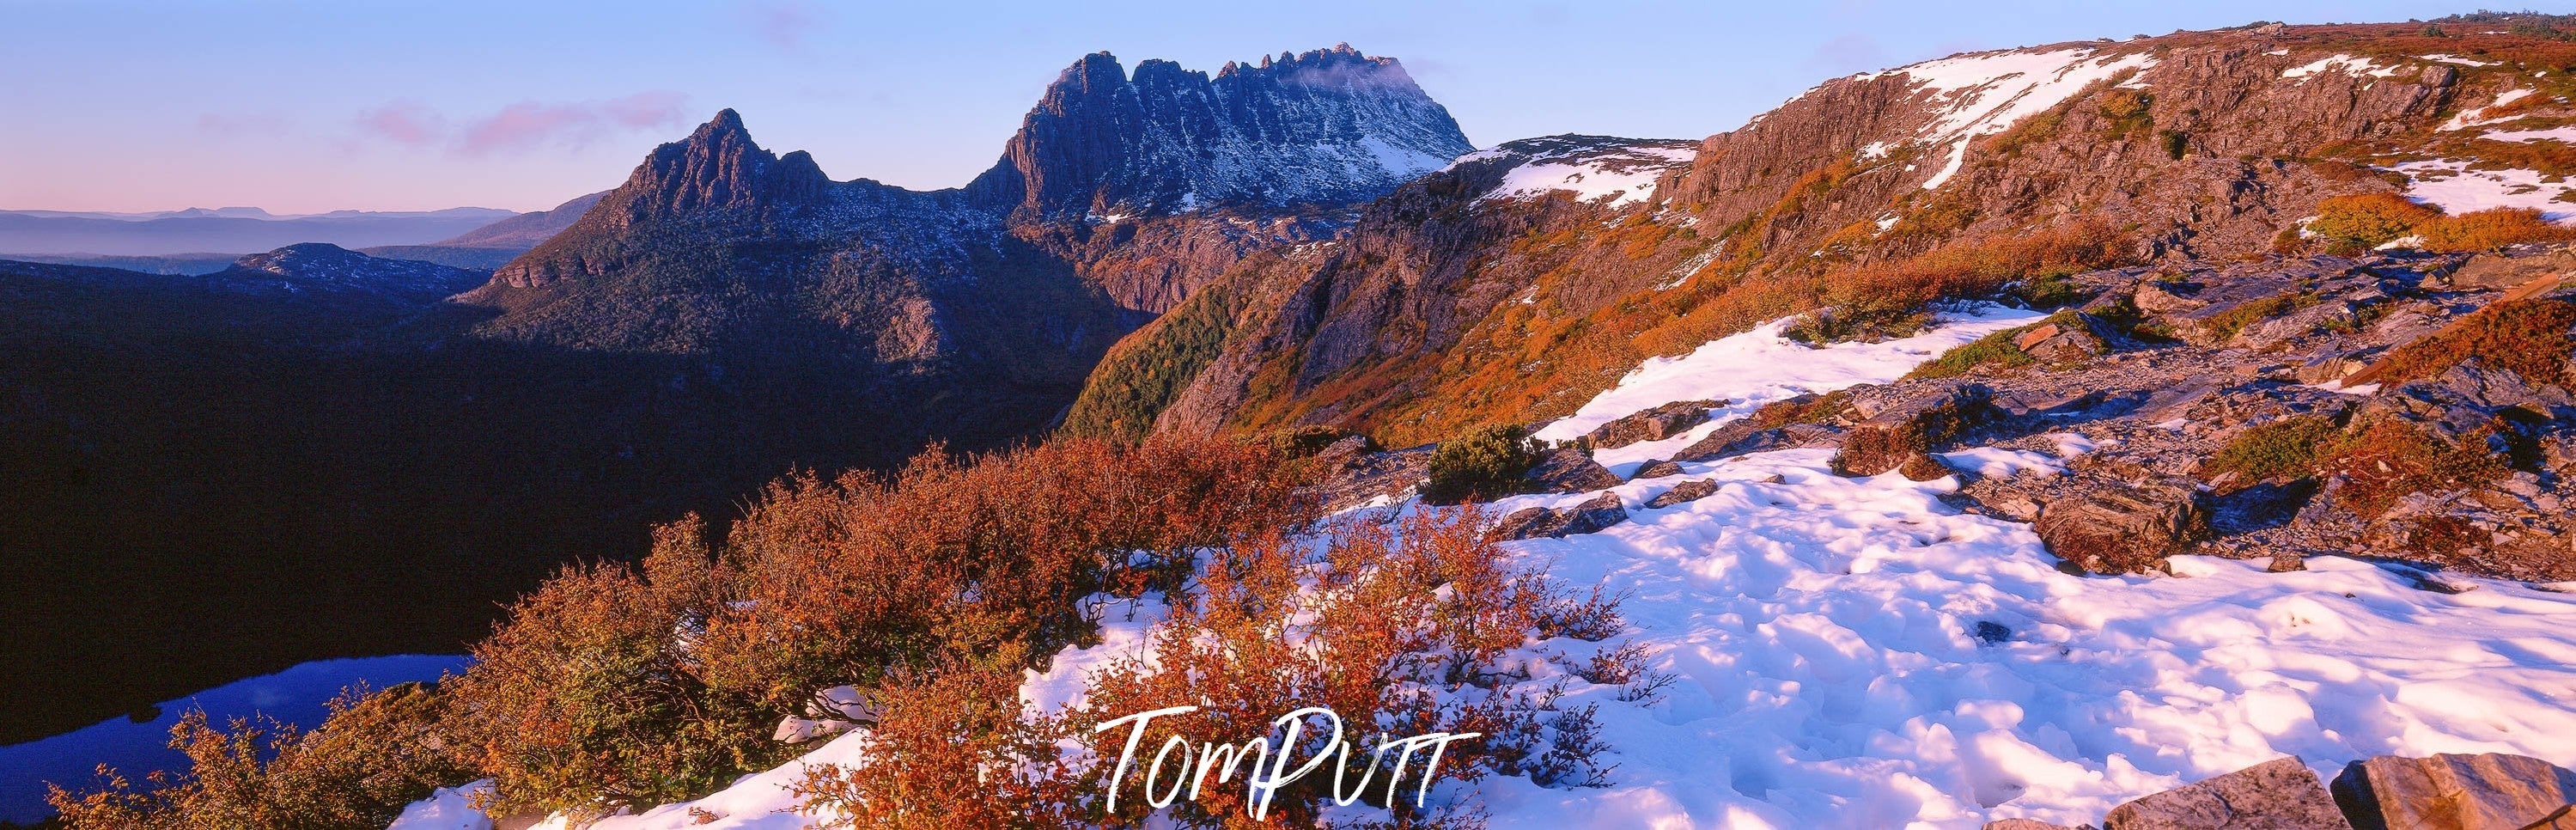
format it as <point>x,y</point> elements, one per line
<point>1329,126</point>
<point>1592,168</point>
<point>1987,93</point>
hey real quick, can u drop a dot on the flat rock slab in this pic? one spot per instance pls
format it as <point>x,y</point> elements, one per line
<point>2280,794</point>
<point>2456,792</point>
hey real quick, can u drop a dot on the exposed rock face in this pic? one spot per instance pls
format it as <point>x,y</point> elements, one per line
<point>2456,792</point>
<point>2116,529</point>
<point>1331,125</point>
<point>2280,794</point>
<point>2222,92</point>
<point>720,168</point>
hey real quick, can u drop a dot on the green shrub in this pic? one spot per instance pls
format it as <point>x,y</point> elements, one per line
<point>2283,449</point>
<point>1306,441</point>
<point>1485,464</point>
<point>1994,351</point>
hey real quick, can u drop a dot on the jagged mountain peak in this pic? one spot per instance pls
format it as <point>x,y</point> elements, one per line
<point>1328,126</point>
<point>719,166</point>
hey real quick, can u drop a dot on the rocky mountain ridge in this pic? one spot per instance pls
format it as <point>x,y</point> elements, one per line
<point>1330,126</point>
<point>1444,308</point>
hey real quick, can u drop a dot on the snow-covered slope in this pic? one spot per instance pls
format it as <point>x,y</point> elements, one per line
<point>1858,653</point>
<point>1987,93</point>
<point>1590,167</point>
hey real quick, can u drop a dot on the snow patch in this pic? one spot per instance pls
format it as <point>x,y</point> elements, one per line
<point>1761,366</point>
<point>2345,64</point>
<point>1988,93</point>
<point>2457,189</point>
<point>2477,117</point>
<point>1619,174</point>
<point>2562,134</point>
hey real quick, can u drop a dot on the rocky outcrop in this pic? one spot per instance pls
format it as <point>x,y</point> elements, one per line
<point>1567,470</point>
<point>1685,492</point>
<point>1592,516</point>
<point>1328,126</point>
<point>2280,794</point>
<point>1901,436</point>
<point>2123,529</point>
<point>1654,424</point>
<point>2456,792</point>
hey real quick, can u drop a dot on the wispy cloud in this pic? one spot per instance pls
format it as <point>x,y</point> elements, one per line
<point>785,23</point>
<point>523,126</point>
<point>408,123</point>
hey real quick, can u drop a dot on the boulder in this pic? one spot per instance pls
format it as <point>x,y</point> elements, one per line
<point>1654,424</point>
<point>1591,516</point>
<point>2117,528</point>
<point>1745,437</point>
<point>1904,431</point>
<point>2456,792</point>
<point>2157,297</point>
<point>2025,824</point>
<point>2498,272</point>
<point>1595,515</point>
<point>2064,340</point>
<point>1688,491</point>
<point>1567,470</point>
<point>2280,794</point>
<point>1657,469</point>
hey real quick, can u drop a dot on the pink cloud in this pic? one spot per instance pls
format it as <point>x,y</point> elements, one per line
<point>784,24</point>
<point>526,125</point>
<point>408,123</point>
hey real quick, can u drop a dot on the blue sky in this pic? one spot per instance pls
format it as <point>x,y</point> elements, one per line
<point>369,104</point>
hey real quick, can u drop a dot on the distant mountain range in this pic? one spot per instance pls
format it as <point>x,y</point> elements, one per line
<point>203,240</point>
<point>226,231</point>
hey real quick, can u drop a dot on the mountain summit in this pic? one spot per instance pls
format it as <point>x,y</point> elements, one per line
<point>1331,125</point>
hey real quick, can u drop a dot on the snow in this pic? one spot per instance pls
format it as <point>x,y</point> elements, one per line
<point>1988,93</point>
<point>1761,366</point>
<point>2560,134</point>
<point>2477,117</point>
<point>760,801</point>
<point>451,808</point>
<point>2460,60</point>
<point>2345,64</point>
<point>1857,652</point>
<point>297,695</point>
<point>2458,189</point>
<point>1620,173</point>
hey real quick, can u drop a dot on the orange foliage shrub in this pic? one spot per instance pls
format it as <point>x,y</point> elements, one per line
<point>609,688</point>
<point>378,753</point>
<point>2368,219</point>
<point>2527,337</point>
<point>2487,230</point>
<point>1390,634</point>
